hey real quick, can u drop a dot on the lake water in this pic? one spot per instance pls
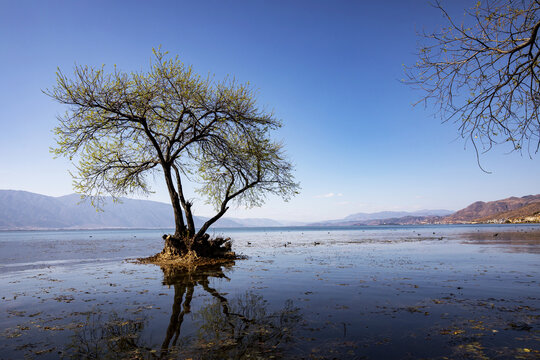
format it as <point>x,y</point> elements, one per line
<point>432,292</point>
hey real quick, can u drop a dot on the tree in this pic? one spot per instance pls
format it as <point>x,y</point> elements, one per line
<point>483,73</point>
<point>121,128</point>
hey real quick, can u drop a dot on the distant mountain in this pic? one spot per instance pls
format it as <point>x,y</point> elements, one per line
<point>395,214</point>
<point>257,222</point>
<point>26,210</point>
<point>387,217</point>
<point>524,209</point>
<point>526,213</point>
<point>500,209</point>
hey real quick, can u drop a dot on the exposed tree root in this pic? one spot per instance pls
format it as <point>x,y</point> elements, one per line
<point>189,253</point>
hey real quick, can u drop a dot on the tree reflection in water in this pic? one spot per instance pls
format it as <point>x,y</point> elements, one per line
<point>221,328</point>
<point>243,327</point>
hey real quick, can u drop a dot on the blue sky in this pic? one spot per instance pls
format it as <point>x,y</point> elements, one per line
<point>329,69</point>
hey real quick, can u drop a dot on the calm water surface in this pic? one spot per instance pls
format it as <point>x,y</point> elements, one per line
<point>303,293</point>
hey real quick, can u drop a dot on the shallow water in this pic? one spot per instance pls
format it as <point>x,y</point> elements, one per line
<point>374,292</point>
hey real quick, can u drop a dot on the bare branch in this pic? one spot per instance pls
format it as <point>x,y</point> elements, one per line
<point>483,74</point>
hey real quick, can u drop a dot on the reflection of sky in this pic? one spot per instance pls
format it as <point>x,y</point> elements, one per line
<point>351,294</point>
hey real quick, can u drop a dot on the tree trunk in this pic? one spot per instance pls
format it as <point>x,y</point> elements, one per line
<point>180,227</point>
<point>185,241</point>
<point>209,222</point>
<point>185,204</point>
<point>189,220</point>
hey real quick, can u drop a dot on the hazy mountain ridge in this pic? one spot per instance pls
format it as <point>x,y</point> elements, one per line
<point>396,214</point>
<point>387,218</point>
<point>20,210</point>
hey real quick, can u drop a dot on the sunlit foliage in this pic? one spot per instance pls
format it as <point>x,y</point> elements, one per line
<point>121,128</point>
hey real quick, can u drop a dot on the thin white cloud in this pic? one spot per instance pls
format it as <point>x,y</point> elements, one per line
<point>329,195</point>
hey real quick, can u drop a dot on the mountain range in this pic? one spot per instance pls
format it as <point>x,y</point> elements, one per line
<point>25,210</point>
<point>22,210</point>
<point>378,218</point>
<point>524,209</point>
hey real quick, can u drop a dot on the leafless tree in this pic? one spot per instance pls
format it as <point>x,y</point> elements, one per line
<point>482,73</point>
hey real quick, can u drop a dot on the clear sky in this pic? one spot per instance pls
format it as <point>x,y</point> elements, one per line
<point>329,69</point>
